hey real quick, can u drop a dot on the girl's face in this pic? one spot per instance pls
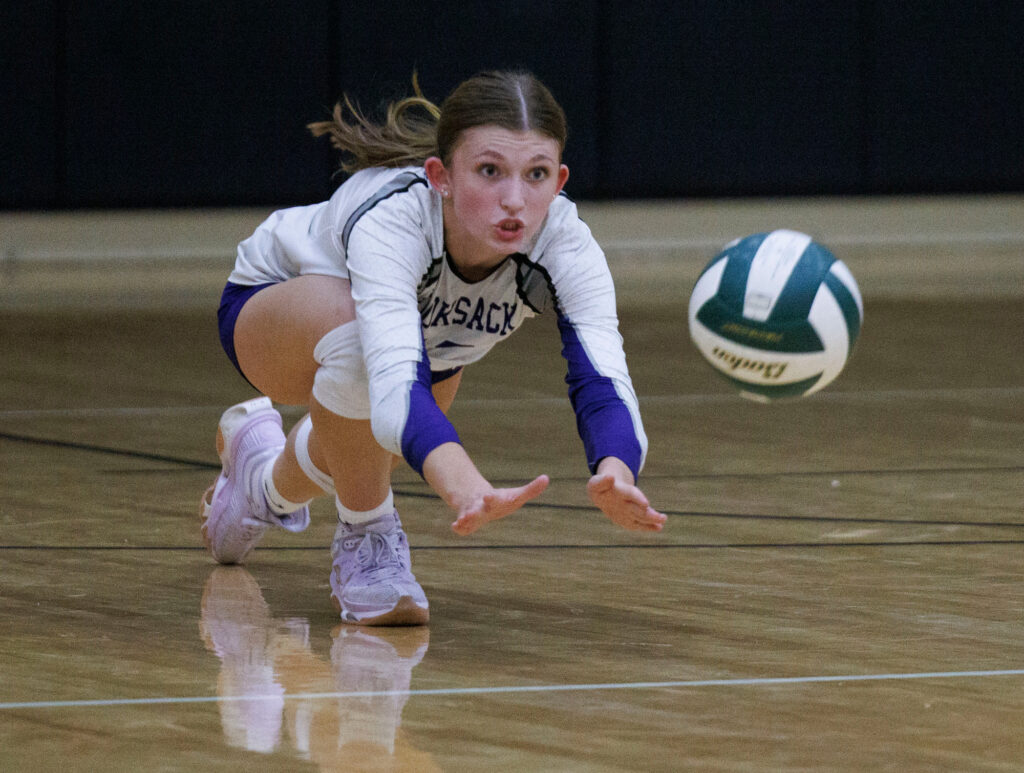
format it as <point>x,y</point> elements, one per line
<point>495,191</point>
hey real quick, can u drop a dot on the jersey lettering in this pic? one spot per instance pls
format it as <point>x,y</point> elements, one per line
<point>494,318</point>
<point>476,321</point>
<point>461,305</point>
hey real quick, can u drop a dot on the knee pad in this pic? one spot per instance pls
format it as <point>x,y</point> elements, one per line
<point>341,385</point>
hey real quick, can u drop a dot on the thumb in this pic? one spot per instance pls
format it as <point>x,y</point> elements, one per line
<point>601,484</point>
<point>536,487</point>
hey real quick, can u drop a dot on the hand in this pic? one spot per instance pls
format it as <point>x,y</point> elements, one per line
<point>613,492</point>
<point>497,504</point>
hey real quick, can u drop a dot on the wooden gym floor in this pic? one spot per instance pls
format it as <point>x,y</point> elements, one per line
<point>839,586</point>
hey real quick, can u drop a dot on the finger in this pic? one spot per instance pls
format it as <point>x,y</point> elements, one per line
<point>635,504</point>
<point>649,514</point>
<point>644,520</point>
<point>636,526</point>
<point>645,526</point>
<point>465,525</point>
<point>493,507</point>
<point>652,518</point>
<point>510,500</point>
<point>534,488</point>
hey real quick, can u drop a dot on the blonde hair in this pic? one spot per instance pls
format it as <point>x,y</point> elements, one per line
<point>414,128</point>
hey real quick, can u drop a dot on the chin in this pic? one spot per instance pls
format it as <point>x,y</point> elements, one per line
<point>514,245</point>
<point>503,248</point>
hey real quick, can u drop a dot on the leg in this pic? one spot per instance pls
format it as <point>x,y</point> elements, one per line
<point>274,337</point>
<point>371,576</point>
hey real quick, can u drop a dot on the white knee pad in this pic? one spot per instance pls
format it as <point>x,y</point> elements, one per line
<point>341,385</point>
<point>314,473</point>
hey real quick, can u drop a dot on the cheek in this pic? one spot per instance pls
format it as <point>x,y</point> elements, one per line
<point>474,204</point>
<point>540,200</point>
<point>542,197</point>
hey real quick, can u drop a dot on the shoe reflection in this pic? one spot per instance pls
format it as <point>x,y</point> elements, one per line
<point>271,682</point>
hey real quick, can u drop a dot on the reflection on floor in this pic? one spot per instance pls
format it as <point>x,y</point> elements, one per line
<point>271,681</point>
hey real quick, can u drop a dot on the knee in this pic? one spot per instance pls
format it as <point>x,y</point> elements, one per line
<point>278,329</point>
<point>341,384</point>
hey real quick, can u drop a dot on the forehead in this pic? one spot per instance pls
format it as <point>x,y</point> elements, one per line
<point>496,140</point>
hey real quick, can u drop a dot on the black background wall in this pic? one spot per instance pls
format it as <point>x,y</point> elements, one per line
<point>112,103</point>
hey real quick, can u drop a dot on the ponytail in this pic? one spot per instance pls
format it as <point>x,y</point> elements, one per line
<point>406,137</point>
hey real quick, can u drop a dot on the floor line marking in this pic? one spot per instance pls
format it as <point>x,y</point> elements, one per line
<point>703,244</point>
<point>215,465</point>
<point>560,546</point>
<point>708,244</point>
<point>514,689</point>
<point>831,396</point>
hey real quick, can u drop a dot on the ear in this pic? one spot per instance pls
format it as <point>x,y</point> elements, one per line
<point>436,173</point>
<point>563,175</point>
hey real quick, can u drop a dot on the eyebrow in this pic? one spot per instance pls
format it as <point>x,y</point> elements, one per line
<point>495,154</point>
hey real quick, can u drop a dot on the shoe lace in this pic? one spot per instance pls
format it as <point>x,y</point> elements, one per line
<point>379,555</point>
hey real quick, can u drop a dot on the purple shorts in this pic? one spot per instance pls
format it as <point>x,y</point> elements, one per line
<point>231,302</point>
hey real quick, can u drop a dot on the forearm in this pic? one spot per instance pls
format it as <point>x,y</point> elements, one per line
<point>451,473</point>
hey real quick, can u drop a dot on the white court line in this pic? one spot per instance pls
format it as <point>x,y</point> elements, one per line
<point>513,689</point>
<point>483,402</point>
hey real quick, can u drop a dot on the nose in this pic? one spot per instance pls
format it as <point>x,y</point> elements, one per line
<point>513,195</point>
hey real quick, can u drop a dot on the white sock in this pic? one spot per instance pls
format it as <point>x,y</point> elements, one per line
<point>278,504</point>
<point>353,517</point>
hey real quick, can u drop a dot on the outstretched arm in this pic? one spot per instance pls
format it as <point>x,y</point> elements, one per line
<point>452,474</point>
<point>613,490</point>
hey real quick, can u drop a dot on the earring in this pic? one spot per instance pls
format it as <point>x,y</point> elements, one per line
<point>445,193</point>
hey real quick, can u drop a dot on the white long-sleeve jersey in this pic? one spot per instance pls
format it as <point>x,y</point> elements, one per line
<point>383,230</point>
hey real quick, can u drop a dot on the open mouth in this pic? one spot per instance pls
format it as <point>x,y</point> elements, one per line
<point>510,229</point>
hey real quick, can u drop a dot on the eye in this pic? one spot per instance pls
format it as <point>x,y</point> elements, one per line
<point>538,173</point>
<point>488,170</point>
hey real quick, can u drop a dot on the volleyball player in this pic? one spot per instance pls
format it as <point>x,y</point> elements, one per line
<point>450,230</point>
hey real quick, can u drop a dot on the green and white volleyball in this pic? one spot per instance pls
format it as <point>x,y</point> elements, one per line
<point>776,314</point>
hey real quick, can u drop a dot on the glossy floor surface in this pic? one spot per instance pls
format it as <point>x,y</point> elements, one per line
<point>840,585</point>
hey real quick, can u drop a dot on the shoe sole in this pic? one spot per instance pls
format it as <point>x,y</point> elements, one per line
<point>207,498</point>
<point>405,612</point>
<point>205,502</point>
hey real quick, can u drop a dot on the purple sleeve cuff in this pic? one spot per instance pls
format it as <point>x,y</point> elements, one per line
<point>604,422</point>
<point>426,426</point>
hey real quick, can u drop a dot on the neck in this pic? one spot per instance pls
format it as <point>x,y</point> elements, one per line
<point>473,272</point>
<point>470,261</point>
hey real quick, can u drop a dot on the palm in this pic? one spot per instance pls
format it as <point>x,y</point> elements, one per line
<point>498,504</point>
<point>624,504</point>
